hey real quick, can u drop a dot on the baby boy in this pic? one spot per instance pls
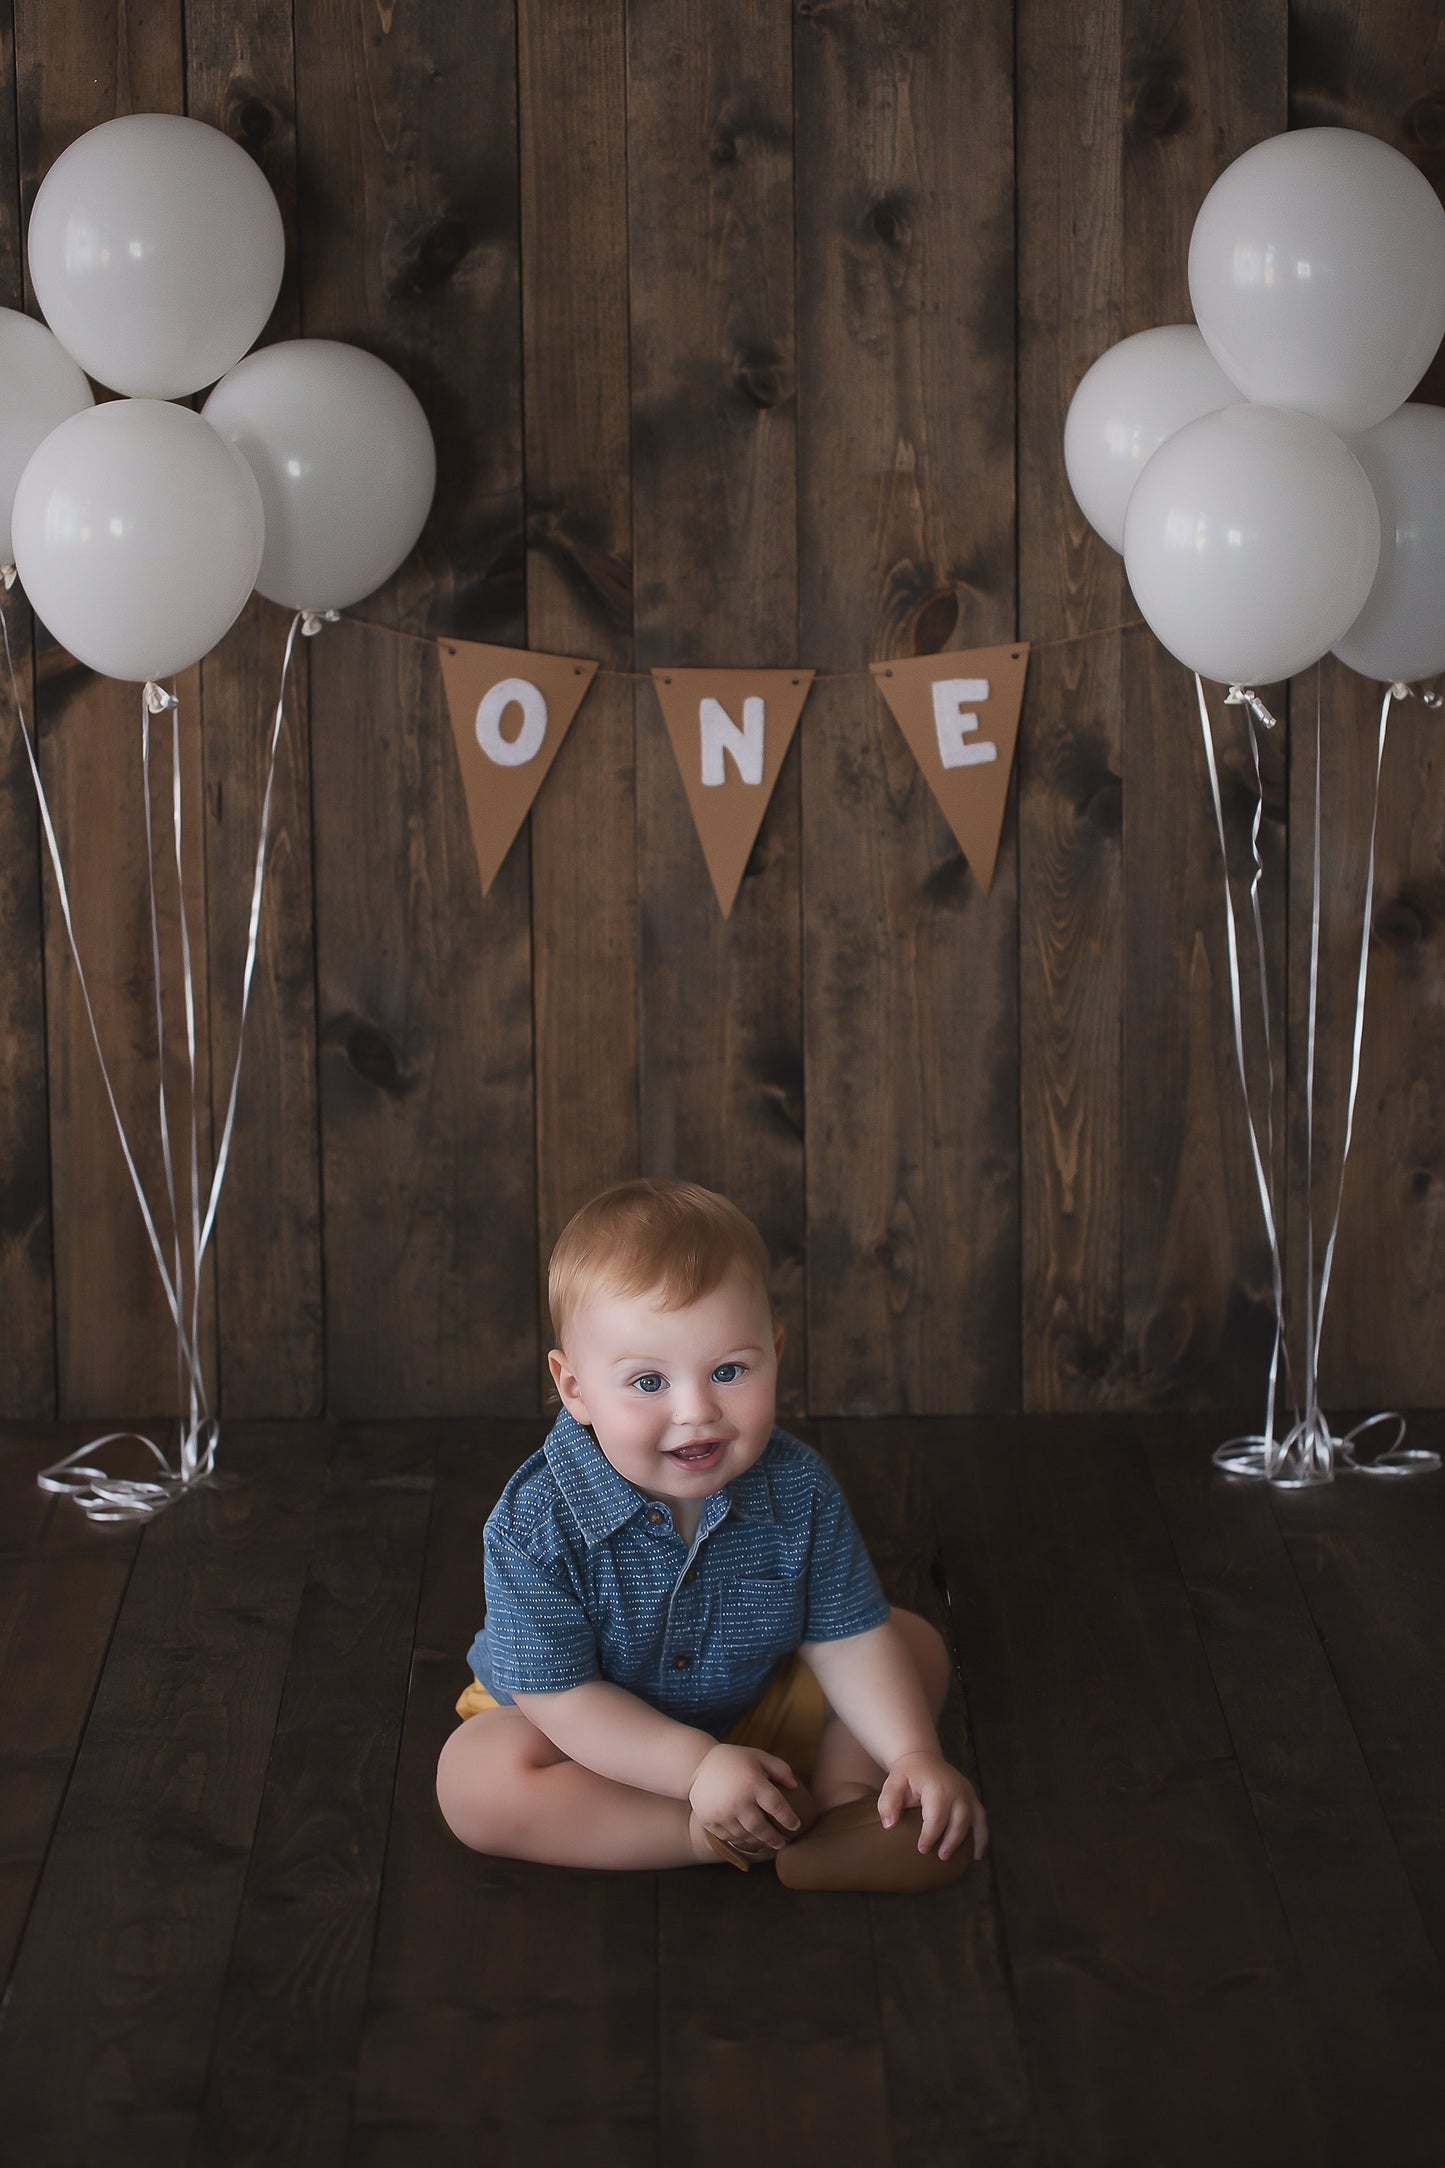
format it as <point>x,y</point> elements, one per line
<point>687,1653</point>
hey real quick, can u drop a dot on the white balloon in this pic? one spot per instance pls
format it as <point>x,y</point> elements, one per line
<point>1400,633</point>
<point>156,251</point>
<point>1251,542</point>
<point>342,453</point>
<point>1134,396</point>
<point>1317,274</point>
<point>40,387</point>
<point>138,533</point>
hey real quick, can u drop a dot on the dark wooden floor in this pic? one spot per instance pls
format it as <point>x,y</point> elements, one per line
<point>1205,1719</point>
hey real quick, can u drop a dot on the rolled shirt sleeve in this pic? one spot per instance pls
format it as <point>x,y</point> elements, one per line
<point>845,1595</point>
<point>539,1637</point>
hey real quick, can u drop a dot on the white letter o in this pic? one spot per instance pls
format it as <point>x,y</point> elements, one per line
<point>512,752</point>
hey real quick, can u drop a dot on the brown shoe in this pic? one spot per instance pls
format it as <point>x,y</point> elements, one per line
<point>849,1848</point>
<point>803,1805</point>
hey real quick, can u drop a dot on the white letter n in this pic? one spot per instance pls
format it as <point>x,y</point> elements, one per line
<point>720,734</point>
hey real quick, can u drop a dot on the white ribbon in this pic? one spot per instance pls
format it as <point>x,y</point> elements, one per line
<point>1309,1452</point>
<point>1263,1181</point>
<point>1240,696</point>
<point>105,1497</point>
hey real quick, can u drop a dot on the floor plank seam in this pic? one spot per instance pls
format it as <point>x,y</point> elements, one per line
<point>1385,1818</point>
<point>79,1747</point>
<point>304,1582</point>
<point>365,2010</point>
<point>993,1894</point>
<point>1148,1456</point>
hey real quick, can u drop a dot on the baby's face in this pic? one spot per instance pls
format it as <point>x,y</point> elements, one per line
<point>650,1380</point>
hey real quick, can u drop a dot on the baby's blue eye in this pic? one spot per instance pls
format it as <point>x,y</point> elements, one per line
<point>657,1379</point>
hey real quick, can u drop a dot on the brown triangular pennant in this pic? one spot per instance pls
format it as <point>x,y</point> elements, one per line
<point>510,711</point>
<point>730,730</point>
<point>960,715</point>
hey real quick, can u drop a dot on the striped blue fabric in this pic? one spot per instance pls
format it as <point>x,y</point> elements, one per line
<point>586,1577</point>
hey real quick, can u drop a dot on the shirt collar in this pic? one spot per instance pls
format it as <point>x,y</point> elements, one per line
<point>602,1500</point>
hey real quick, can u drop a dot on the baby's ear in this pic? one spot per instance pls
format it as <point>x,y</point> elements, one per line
<point>557,1364</point>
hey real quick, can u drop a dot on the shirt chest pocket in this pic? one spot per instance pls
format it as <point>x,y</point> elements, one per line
<point>761,1615</point>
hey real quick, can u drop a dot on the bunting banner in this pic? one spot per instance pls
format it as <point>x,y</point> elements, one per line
<point>730,730</point>
<point>510,711</point>
<point>960,715</point>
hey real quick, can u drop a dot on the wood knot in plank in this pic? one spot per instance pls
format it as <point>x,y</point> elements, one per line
<point>1399,923</point>
<point>1162,103</point>
<point>1322,68</point>
<point>935,622</point>
<point>760,378</point>
<point>62,679</point>
<point>949,884</point>
<point>1104,806</point>
<point>1091,1361</point>
<point>371,1054</point>
<point>255,124</point>
<point>1423,124</point>
<point>579,550</point>
<point>782,1094</point>
<point>434,257</point>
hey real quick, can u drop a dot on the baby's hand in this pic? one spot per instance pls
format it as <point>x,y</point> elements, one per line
<point>951,1806</point>
<point>736,1788</point>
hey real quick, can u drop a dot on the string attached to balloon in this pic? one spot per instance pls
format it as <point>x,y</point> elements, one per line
<point>1308,1452</point>
<point>1414,692</point>
<point>102,1496</point>
<point>1241,696</point>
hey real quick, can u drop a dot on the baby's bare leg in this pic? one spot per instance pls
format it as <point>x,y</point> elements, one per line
<point>504,1788</point>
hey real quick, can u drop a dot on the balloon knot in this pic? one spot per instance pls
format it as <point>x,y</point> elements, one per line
<point>313,620</point>
<point>1400,690</point>
<point>158,699</point>
<point>9,574</point>
<point>1240,696</point>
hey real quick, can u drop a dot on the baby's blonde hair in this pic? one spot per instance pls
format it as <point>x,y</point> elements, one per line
<point>654,1232</point>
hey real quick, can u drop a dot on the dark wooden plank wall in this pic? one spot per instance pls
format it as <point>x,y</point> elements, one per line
<point>747,335</point>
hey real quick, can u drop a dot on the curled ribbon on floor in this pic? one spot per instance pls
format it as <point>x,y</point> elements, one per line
<point>1308,1452</point>
<point>104,1497</point>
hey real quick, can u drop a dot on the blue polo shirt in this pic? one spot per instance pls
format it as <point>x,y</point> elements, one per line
<point>586,1577</point>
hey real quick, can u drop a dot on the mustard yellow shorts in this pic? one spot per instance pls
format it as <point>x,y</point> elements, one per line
<point>786,1720</point>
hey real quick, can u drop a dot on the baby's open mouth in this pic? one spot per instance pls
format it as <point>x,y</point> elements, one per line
<point>701,1454</point>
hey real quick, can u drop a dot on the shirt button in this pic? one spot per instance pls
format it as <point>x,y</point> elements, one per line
<point>654,1516</point>
<point>679,1663</point>
<point>690,1574</point>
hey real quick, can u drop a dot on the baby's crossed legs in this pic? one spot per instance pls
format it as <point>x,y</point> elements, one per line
<point>505,1789</point>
